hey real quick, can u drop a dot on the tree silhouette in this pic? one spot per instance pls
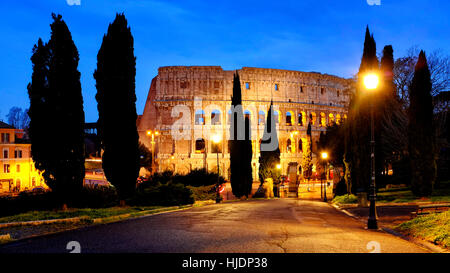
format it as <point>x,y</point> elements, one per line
<point>116,104</point>
<point>420,130</point>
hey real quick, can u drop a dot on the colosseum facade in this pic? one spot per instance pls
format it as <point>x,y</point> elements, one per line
<point>203,93</point>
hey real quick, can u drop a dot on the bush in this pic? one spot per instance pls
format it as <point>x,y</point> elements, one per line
<point>170,194</point>
<point>97,197</point>
<point>199,177</point>
<point>203,193</point>
<point>345,199</point>
<point>26,202</point>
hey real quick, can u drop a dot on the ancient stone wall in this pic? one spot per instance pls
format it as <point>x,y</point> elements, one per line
<point>203,94</point>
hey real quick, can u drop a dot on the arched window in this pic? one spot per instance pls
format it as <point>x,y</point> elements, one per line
<point>276,115</point>
<point>215,117</point>
<point>247,114</point>
<point>330,119</point>
<point>229,116</point>
<point>300,118</point>
<point>289,146</point>
<point>200,146</point>
<point>323,120</point>
<point>313,118</point>
<point>338,119</point>
<point>261,117</point>
<point>199,117</point>
<point>300,145</point>
<point>289,118</point>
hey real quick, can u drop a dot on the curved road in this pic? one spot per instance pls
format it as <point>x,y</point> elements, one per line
<point>261,226</point>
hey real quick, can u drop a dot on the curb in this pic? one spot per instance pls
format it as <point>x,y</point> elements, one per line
<point>422,243</point>
<point>44,222</point>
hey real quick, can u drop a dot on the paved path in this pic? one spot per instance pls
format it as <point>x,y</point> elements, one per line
<point>278,225</point>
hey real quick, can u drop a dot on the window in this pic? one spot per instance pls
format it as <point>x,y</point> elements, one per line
<point>5,137</point>
<point>6,168</point>
<point>200,117</point>
<point>338,93</point>
<point>338,119</point>
<point>33,182</point>
<point>322,91</point>
<point>18,154</point>
<point>276,115</point>
<point>300,145</point>
<point>5,153</point>
<point>247,85</point>
<point>247,114</point>
<point>300,118</point>
<point>215,117</point>
<point>323,120</point>
<point>261,117</point>
<point>312,116</point>
<point>288,118</point>
<point>200,146</point>
<point>276,87</point>
<point>330,119</point>
<point>184,85</point>
<point>301,89</point>
<point>289,146</point>
<point>18,168</point>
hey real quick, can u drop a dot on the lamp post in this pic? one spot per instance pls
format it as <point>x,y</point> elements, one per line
<point>324,158</point>
<point>153,134</point>
<point>371,83</point>
<point>216,141</point>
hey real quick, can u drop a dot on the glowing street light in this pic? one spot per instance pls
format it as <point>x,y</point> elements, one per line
<point>324,156</point>
<point>153,134</point>
<point>371,81</point>
<point>278,166</point>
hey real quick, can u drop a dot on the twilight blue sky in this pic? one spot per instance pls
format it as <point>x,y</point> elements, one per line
<point>307,35</point>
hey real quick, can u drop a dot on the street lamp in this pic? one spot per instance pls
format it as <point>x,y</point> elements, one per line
<point>371,83</point>
<point>216,140</point>
<point>153,134</point>
<point>324,158</point>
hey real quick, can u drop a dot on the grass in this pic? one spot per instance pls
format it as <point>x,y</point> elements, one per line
<point>90,213</point>
<point>434,227</point>
<point>404,195</point>
<point>5,239</point>
<point>345,199</point>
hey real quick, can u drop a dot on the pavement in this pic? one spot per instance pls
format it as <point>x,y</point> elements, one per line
<point>254,226</point>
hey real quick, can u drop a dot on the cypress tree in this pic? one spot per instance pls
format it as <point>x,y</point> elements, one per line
<point>116,104</point>
<point>420,130</point>
<point>60,156</point>
<point>358,135</point>
<point>269,158</point>
<point>239,145</point>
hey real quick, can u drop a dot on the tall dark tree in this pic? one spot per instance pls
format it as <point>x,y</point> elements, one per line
<point>116,104</point>
<point>61,105</point>
<point>240,145</point>
<point>358,156</point>
<point>307,164</point>
<point>269,157</point>
<point>420,130</point>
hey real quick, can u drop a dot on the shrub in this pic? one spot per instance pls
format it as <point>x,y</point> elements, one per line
<point>345,199</point>
<point>170,194</point>
<point>199,177</point>
<point>97,197</point>
<point>203,193</point>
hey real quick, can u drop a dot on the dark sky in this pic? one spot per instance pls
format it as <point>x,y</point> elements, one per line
<point>308,35</point>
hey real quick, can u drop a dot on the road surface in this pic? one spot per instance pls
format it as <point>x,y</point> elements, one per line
<point>261,226</point>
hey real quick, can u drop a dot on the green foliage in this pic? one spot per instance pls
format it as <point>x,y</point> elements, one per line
<point>196,178</point>
<point>116,104</point>
<point>56,100</point>
<point>434,227</point>
<point>203,193</point>
<point>169,194</point>
<point>420,130</point>
<point>345,199</point>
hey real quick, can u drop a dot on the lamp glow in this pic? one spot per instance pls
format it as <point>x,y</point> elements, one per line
<point>216,139</point>
<point>278,166</point>
<point>324,155</point>
<point>371,81</point>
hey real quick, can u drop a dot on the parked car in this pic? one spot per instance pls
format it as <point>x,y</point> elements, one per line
<point>39,189</point>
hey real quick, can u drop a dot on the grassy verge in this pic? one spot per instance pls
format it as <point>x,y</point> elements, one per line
<point>90,213</point>
<point>434,228</point>
<point>405,195</point>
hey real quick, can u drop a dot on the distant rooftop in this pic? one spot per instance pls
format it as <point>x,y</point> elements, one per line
<point>5,126</point>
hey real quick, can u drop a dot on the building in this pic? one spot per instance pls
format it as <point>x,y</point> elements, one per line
<point>17,172</point>
<point>197,99</point>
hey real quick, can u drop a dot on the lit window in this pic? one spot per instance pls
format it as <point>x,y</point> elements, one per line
<point>289,146</point>
<point>6,168</point>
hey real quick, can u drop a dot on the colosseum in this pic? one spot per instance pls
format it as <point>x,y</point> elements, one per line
<point>200,97</point>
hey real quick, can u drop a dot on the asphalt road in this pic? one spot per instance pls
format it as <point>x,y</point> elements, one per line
<point>261,226</point>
